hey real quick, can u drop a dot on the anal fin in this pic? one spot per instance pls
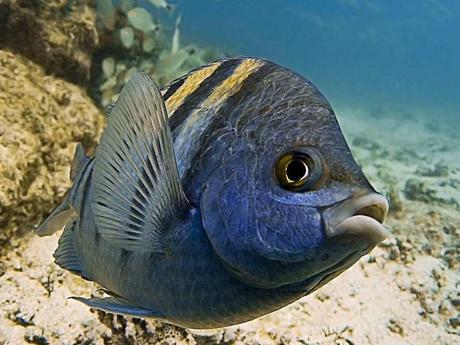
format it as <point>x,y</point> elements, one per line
<point>118,305</point>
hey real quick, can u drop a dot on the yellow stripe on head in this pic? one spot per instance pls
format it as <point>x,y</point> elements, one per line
<point>232,84</point>
<point>221,93</point>
<point>190,84</point>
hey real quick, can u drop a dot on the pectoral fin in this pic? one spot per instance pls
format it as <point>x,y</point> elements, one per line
<point>118,305</point>
<point>138,192</point>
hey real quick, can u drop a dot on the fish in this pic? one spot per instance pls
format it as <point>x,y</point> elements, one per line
<point>168,64</point>
<point>223,197</point>
<point>175,43</point>
<point>163,4</point>
<point>140,19</point>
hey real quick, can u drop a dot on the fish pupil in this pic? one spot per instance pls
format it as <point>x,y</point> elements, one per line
<point>296,170</point>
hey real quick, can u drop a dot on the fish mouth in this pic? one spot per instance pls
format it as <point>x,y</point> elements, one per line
<point>354,227</point>
<point>360,217</point>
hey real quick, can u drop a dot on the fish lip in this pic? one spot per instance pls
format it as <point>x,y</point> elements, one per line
<point>361,216</point>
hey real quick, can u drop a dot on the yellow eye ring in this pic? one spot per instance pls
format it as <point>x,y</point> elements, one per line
<point>298,170</point>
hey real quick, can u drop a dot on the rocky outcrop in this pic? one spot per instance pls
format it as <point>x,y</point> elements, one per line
<point>41,119</point>
<point>58,35</point>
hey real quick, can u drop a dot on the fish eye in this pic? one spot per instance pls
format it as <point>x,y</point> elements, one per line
<point>298,170</point>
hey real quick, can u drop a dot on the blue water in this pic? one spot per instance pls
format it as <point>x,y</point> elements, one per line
<point>391,54</point>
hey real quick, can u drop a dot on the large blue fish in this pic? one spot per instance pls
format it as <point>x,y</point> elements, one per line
<point>226,196</point>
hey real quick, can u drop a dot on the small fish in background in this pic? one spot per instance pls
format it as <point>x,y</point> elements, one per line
<point>175,44</point>
<point>141,19</point>
<point>226,196</point>
<point>163,4</point>
<point>169,63</point>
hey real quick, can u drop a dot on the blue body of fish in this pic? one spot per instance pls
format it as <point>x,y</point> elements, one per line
<point>227,196</point>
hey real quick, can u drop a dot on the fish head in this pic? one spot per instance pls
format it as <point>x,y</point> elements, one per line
<point>284,201</point>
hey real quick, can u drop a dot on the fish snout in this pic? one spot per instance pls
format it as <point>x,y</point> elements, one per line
<point>360,216</point>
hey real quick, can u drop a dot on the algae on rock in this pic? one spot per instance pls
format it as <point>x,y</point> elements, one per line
<point>40,119</point>
<point>59,35</point>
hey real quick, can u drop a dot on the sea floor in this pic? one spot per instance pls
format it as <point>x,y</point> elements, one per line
<point>407,291</point>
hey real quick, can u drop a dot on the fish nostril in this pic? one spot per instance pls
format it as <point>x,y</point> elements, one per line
<point>375,211</point>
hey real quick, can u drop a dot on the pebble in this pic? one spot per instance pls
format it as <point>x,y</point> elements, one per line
<point>395,326</point>
<point>23,318</point>
<point>455,321</point>
<point>404,283</point>
<point>35,335</point>
<point>203,337</point>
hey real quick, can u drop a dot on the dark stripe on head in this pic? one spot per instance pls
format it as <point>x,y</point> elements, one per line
<point>202,92</point>
<point>248,88</point>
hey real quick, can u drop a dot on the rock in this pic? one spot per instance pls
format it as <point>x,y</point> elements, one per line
<point>454,298</point>
<point>207,337</point>
<point>41,119</point>
<point>418,190</point>
<point>23,317</point>
<point>396,205</point>
<point>137,331</point>
<point>58,35</point>
<point>455,321</point>
<point>395,327</point>
<point>34,335</point>
<point>439,170</point>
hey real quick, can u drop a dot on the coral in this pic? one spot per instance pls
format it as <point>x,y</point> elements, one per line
<point>40,119</point>
<point>58,35</point>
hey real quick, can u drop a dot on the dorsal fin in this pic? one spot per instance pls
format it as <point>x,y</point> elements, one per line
<point>79,159</point>
<point>138,192</point>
